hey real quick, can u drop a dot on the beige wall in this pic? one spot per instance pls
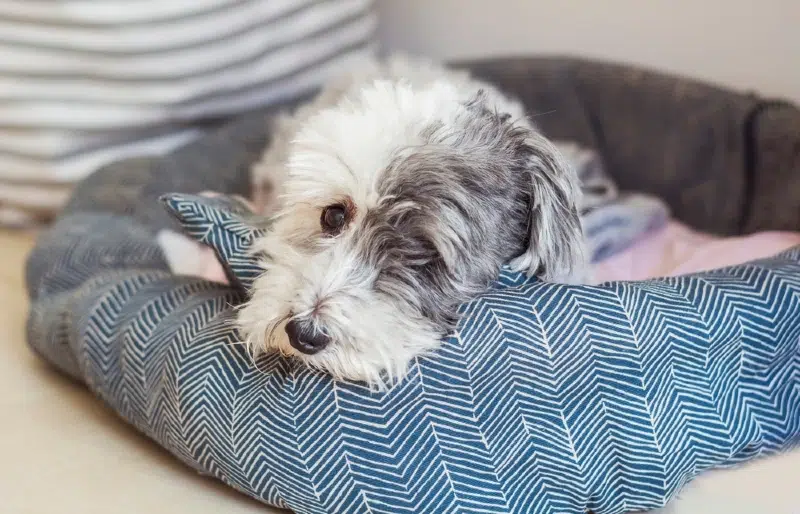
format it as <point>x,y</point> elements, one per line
<point>745,44</point>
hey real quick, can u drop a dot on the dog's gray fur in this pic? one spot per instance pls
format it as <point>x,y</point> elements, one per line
<point>462,189</point>
<point>457,208</point>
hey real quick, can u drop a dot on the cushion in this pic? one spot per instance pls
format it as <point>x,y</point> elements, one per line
<point>84,85</point>
<point>547,399</point>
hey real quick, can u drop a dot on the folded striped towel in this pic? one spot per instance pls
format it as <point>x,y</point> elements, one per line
<point>83,83</point>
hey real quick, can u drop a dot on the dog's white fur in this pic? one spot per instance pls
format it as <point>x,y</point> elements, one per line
<point>441,92</point>
<point>343,148</point>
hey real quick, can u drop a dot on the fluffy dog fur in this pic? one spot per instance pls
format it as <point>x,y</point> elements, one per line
<point>433,180</point>
<point>437,179</point>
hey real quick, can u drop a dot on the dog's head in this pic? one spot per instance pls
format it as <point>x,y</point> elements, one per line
<point>399,206</point>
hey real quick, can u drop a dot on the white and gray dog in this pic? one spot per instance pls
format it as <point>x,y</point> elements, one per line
<point>397,195</point>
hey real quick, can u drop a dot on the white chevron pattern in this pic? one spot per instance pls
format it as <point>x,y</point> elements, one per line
<point>550,399</point>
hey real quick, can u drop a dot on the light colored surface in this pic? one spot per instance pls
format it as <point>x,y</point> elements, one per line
<point>745,44</point>
<point>64,453</point>
<point>768,486</point>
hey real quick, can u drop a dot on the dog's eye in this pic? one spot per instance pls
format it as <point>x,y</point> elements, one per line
<point>333,218</point>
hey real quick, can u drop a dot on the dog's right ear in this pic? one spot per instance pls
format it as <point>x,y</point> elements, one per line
<point>556,247</point>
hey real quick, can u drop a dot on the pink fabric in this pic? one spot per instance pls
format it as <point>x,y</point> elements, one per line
<point>210,268</point>
<point>679,250</point>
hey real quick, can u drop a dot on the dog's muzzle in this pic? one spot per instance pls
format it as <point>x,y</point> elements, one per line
<point>306,338</point>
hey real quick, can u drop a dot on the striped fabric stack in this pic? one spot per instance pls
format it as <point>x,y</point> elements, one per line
<point>87,82</point>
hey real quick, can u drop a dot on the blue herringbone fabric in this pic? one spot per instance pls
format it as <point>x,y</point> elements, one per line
<point>549,399</point>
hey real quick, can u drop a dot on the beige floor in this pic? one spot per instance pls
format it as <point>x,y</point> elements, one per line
<point>63,453</point>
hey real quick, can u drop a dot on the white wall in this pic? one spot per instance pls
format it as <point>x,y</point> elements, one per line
<point>745,44</point>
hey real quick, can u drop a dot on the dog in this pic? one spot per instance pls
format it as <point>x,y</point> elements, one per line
<point>396,195</point>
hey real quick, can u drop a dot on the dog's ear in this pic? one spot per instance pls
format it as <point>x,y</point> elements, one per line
<point>556,248</point>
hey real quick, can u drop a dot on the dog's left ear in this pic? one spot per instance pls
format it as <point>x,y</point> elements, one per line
<point>556,249</point>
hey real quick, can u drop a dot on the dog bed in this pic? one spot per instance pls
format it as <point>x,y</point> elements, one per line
<point>550,398</point>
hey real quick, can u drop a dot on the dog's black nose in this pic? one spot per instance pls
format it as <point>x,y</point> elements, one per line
<point>305,338</point>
